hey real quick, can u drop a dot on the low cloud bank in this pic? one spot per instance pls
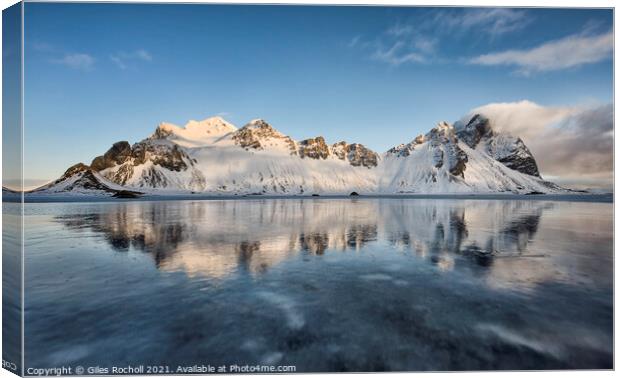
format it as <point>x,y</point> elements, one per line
<point>573,145</point>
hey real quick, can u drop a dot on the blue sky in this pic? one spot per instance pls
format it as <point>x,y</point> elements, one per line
<point>99,73</point>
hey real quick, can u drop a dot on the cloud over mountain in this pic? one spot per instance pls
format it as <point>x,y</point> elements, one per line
<point>573,145</point>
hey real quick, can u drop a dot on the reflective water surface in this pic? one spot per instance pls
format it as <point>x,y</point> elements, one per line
<point>322,284</point>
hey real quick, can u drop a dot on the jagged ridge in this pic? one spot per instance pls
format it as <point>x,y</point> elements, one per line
<point>213,156</point>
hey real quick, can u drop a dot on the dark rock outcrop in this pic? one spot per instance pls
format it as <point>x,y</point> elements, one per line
<point>520,159</point>
<point>126,194</point>
<point>246,138</point>
<point>75,169</point>
<point>357,154</point>
<point>168,156</point>
<point>314,148</point>
<point>508,150</point>
<point>477,128</point>
<point>117,154</point>
<point>125,157</point>
<point>256,133</point>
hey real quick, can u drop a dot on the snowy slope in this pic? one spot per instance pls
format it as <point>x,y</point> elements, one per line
<point>214,157</point>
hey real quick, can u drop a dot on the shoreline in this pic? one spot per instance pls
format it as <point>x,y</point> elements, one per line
<point>583,197</point>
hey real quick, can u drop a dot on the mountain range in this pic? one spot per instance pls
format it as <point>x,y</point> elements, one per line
<point>216,158</point>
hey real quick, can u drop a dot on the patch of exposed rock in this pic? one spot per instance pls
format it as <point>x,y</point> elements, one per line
<point>404,150</point>
<point>356,154</point>
<point>477,128</point>
<point>74,169</point>
<point>123,158</point>
<point>314,148</point>
<point>520,158</point>
<point>443,141</point>
<point>168,156</point>
<point>117,154</point>
<point>258,133</point>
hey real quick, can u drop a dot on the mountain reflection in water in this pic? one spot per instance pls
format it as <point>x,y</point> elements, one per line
<point>227,236</point>
<point>324,284</point>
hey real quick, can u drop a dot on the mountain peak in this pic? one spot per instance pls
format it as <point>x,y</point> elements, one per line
<point>503,147</point>
<point>258,123</point>
<point>211,125</point>
<point>443,130</point>
<point>258,134</point>
<point>474,130</point>
<point>356,154</point>
<point>75,169</point>
<point>194,133</point>
<point>443,125</point>
<point>262,129</point>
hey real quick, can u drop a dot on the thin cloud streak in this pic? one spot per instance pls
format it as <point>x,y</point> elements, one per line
<point>491,21</point>
<point>78,61</point>
<point>123,60</point>
<point>568,52</point>
<point>398,54</point>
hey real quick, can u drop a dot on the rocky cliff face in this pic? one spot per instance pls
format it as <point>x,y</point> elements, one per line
<point>356,154</point>
<point>117,154</point>
<point>465,157</point>
<point>314,148</point>
<point>508,150</point>
<point>446,151</point>
<point>259,135</point>
<point>120,163</point>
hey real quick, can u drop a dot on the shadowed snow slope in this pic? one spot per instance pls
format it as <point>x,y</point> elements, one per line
<point>214,157</point>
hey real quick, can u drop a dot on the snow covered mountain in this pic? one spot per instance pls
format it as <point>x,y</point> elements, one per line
<point>464,158</point>
<point>505,148</point>
<point>214,157</point>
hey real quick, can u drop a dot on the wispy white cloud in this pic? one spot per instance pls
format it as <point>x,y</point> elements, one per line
<point>124,59</point>
<point>399,53</point>
<point>354,41</point>
<point>397,45</point>
<point>490,21</point>
<point>568,52</point>
<point>400,29</point>
<point>78,61</point>
<point>43,47</point>
<point>144,55</point>
<point>418,40</point>
<point>120,63</point>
